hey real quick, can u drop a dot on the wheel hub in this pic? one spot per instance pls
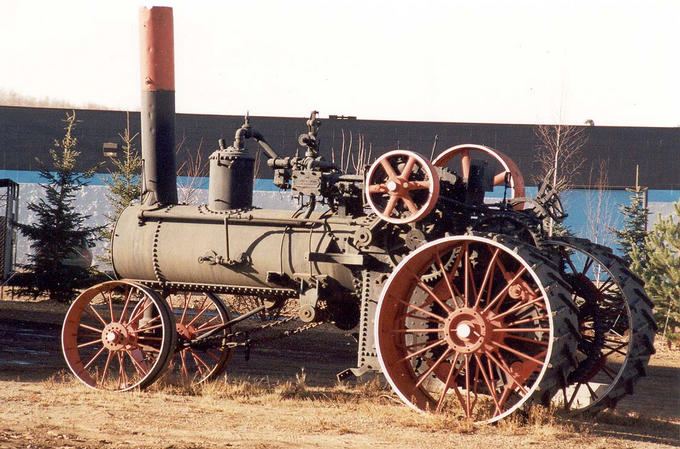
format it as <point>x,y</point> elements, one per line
<point>186,332</point>
<point>117,336</point>
<point>466,330</point>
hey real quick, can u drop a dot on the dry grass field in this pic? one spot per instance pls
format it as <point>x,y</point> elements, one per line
<point>43,406</point>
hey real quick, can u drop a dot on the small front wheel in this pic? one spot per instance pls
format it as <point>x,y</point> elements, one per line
<point>118,335</point>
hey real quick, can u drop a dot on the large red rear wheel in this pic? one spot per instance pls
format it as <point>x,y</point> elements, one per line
<point>483,339</point>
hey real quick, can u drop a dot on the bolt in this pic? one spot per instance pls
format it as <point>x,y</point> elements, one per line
<point>391,186</point>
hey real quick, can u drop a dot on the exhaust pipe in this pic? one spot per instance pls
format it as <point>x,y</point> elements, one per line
<point>158,106</point>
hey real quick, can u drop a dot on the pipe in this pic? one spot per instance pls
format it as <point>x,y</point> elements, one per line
<point>158,106</point>
<point>246,132</point>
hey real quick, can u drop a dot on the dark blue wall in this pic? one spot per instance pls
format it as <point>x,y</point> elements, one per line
<point>27,133</point>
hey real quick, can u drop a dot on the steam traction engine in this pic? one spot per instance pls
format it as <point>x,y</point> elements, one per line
<point>462,304</point>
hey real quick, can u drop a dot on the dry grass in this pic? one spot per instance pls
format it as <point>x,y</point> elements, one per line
<point>257,413</point>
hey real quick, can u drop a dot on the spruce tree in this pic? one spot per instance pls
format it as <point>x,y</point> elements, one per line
<point>124,183</point>
<point>59,231</point>
<point>634,230</point>
<point>662,274</point>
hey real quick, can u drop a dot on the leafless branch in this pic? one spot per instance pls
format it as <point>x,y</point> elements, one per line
<point>191,172</point>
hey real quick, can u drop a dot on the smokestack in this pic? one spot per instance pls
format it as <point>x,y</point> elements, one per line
<point>158,105</point>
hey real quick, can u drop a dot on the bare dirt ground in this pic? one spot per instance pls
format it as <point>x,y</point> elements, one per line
<point>266,402</point>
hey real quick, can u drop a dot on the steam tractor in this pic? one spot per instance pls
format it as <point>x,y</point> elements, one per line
<point>464,303</point>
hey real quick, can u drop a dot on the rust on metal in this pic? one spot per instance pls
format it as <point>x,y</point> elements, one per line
<point>157,55</point>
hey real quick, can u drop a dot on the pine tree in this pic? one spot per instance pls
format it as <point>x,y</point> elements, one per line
<point>662,274</point>
<point>124,182</point>
<point>634,230</point>
<point>59,231</point>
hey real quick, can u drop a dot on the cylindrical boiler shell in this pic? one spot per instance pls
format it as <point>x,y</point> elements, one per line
<point>184,247</point>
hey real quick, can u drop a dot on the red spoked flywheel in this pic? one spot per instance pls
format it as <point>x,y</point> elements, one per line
<point>462,152</point>
<point>402,187</point>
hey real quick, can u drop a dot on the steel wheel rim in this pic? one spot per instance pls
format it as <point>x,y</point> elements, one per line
<point>195,314</point>
<point>601,378</point>
<point>107,341</point>
<point>389,190</point>
<point>462,361</point>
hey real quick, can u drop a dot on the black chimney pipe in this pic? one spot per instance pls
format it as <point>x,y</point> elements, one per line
<point>158,106</point>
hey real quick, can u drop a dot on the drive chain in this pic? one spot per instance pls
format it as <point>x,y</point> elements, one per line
<point>231,340</point>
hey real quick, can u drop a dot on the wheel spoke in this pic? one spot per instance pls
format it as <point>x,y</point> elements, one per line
<point>203,308</point>
<point>391,203</point>
<point>499,178</point>
<point>96,314</point>
<point>445,276</point>
<point>449,380</point>
<point>416,331</point>
<point>504,291</point>
<point>521,329</point>
<point>211,355</point>
<point>146,305</point>
<point>519,353</point>
<point>567,259</point>
<point>93,329</point>
<point>147,328</point>
<point>205,326</point>
<point>418,185</point>
<point>500,363</point>
<point>421,351</point>
<point>519,306</point>
<point>587,265</point>
<point>101,351</point>
<point>89,343</point>
<point>391,174</point>
<point>199,362</point>
<point>377,188</point>
<point>487,276</point>
<point>408,168</point>
<point>136,356</point>
<point>122,377</point>
<point>433,367</point>
<point>109,357</point>
<point>465,163</point>
<point>528,340</point>
<point>466,275</point>
<point>429,291</point>
<point>421,310</point>
<point>410,205</point>
<point>528,320</point>
<point>422,318</point>
<point>604,286</point>
<point>185,371</point>
<point>128,296</point>
<point>610,372</point>
<point>469,277</point>
<point>110,300</point>
<point>468,411</point>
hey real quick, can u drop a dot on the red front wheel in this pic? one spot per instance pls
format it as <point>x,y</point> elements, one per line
<point>118,335</point>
